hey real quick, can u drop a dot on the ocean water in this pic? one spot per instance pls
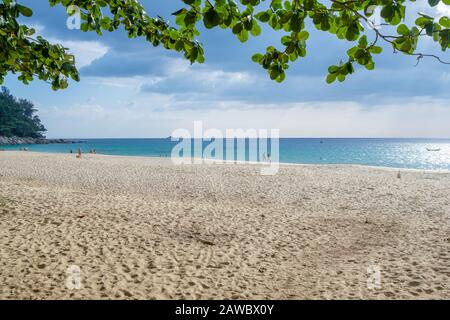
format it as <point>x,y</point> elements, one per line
<point>396,153</point>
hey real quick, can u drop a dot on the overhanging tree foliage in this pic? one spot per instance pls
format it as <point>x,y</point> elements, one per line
<point>348,20</point>
<point>17,117</point>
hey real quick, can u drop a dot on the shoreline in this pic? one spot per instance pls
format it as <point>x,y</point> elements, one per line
<point>230,162</point>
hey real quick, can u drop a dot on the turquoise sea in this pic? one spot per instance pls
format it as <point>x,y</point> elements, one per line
<point>396,153</point>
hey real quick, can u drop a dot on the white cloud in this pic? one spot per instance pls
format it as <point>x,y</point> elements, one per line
<point>177,68</point>
<point>176,77</point>
<point>204,77</point>
<point>443,9</point>
<point>85,52</point>
<point>121,82</point>
<point>418,117</point>
<point>423,6</point>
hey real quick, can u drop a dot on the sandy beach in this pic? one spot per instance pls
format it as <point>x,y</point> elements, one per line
<point>143,228</point>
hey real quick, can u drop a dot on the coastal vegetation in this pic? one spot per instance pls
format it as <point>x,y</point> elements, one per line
<point>31,56</point>
<point>18,118</point>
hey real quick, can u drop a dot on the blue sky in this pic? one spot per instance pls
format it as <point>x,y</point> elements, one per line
<point>129,88</point>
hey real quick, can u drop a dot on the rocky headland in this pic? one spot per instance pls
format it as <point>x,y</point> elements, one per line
<point>26,140</point>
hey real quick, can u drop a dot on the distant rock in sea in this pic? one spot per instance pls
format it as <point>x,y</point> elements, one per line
<point>25,140</point>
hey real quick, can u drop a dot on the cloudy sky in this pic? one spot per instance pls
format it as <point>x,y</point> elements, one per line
<point>130,89</point>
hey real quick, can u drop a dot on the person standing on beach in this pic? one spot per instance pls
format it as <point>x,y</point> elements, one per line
<point>264,157</point>
<point>79,153</point>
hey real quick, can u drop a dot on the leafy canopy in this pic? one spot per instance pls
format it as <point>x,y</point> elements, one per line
<point>348,20</point>
<point>17,117</point>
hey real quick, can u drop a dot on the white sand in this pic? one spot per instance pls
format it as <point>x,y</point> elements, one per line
<point>143,228</point>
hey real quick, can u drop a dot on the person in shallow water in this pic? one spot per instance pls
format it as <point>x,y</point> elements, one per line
<point>79,154</point>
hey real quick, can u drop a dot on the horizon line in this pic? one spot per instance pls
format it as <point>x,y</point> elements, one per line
<point>287,137</point>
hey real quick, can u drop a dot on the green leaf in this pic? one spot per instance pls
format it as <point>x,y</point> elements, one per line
<point>333,69</point>
<point>403,29</point>
<point>433,3</point>
<point>303,35</point>
<point>257,57</point>
<point>25,11</point>
<point>376,50</point>
<point>331,78</point>
<point>211,19</point>
<point>445,21</point>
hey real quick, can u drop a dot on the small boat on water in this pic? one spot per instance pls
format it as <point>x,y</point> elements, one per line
<point>430,149</point>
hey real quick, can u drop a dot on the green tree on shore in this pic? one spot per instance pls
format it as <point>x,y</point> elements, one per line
<point>17,117</point>
<point>349,20</point>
